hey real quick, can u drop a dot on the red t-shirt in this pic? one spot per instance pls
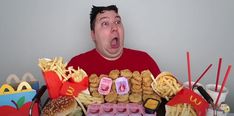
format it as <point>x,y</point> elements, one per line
<point>92,62</point>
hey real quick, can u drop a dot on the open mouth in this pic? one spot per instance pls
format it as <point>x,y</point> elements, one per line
<point>115,43</point>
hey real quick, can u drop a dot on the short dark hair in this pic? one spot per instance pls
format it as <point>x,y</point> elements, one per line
<point>99,9</point>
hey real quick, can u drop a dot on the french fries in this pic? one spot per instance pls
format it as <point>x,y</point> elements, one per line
<point>180,110</point>
<point>87,99</point>
<point>165,85</point>
<point>59,67</point>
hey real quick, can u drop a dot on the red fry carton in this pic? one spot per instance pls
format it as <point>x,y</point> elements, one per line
<point>74,88</point>
<point>189,97</point>
<point>53,83</point>
<point>56,87</point>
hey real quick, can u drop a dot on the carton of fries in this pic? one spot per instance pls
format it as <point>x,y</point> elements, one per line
<point>61,80</point>
<point>53,83</point>
<point>166,85</point>
<point>73,89</point>
<point>186,103</point>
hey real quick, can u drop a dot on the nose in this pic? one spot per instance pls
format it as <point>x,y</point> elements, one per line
<point>114,27</point>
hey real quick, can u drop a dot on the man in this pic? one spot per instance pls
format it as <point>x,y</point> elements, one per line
<point>107,33</point>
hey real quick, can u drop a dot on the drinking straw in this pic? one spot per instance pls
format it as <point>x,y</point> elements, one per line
<point>189,70</point>
<point>223,83</point>
<point>218,73</point>
<point>202,75</point>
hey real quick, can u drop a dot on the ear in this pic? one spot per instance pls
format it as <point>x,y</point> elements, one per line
<point>93,35</point>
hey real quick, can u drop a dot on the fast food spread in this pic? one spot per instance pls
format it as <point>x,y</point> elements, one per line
<point>119,92</point>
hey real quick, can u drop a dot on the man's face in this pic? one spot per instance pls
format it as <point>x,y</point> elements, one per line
<point>108,35</point>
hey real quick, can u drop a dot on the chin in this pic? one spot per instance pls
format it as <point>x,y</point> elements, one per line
<point>115,52</point>
<point>113,55</point>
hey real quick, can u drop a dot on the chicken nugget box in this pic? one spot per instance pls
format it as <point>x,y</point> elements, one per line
<point>192,101</point>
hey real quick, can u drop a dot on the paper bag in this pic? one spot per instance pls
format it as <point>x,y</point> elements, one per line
<point>14,80</point>
<point>17,102</point>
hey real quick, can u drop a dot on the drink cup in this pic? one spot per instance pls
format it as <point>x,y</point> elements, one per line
<point>210,88</point>
<point>211,112</point>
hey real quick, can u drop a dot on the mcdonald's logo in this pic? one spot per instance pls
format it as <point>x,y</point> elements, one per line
<point>70,90</point>
<point>195,100</point>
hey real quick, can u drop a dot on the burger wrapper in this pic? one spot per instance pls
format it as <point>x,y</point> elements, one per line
<point>56,87</point>
<point>189,97</point>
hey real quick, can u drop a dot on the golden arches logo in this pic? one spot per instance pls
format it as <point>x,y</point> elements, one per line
<point>195,100</point>
<point>70,90</point>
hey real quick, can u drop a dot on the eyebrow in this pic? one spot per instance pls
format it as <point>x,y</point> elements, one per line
<point>118,17</point>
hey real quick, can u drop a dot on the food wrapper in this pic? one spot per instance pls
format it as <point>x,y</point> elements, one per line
<point>187,96</point>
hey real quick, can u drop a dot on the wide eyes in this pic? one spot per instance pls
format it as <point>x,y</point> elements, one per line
<point>105,24</point>
<point>109,24</point>
<point>118,22</point>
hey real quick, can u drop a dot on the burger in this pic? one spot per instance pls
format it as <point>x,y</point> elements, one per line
<point>62,106</point>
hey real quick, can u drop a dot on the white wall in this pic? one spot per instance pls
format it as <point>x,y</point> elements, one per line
<point>166,29</point>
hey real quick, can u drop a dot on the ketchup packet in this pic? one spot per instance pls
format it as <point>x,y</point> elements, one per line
<point>122,86</point>
<point>105,86</point>
<point>94,110</point>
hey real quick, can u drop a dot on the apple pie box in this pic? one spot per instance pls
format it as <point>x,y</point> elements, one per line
<point>187,102</point>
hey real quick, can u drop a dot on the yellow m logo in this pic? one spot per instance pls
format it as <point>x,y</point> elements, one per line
<point>195,100</point>
<point>70,91</point>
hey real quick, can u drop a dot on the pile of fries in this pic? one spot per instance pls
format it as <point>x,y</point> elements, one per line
<point>180,110</point>
<point>87,99</point>
<point>166,85</point>
<point>57,65</point>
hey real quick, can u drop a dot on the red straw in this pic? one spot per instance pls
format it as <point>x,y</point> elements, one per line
<point>189,70</point>
<point>223,84</point>
<point>202,74</point>
<point>218,73</point>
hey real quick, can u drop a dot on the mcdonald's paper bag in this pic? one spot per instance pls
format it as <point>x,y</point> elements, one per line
<point>189,97</point>
<point>17,102</point>
<point>14,80</point>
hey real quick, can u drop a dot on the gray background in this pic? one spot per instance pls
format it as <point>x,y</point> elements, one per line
<point>33,29</point>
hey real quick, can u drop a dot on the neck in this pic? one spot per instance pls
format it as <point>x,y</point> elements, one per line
<point>110,58</point>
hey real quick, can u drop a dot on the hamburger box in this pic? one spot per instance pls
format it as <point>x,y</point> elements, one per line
<point>190,101</point>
